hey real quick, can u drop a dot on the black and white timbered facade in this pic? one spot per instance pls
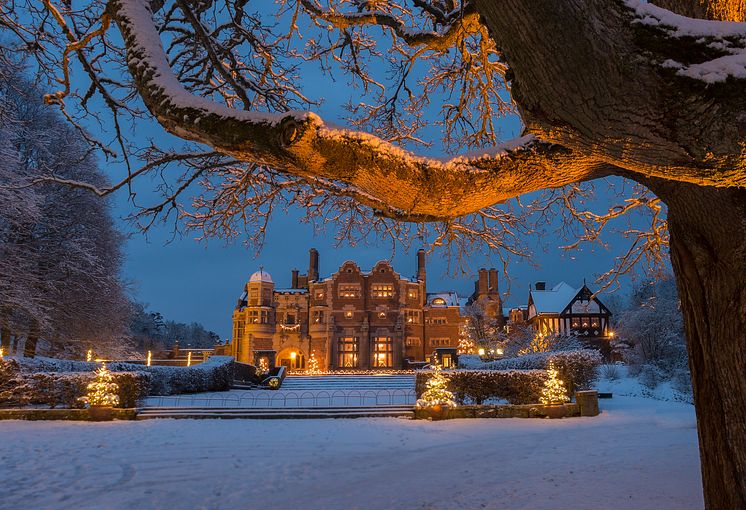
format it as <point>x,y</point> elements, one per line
<point>565,310</point>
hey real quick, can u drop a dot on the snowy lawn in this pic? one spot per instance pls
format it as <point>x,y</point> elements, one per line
<point>639,454</point>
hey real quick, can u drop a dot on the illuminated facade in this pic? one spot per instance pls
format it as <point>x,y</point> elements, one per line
<point>353,319</point>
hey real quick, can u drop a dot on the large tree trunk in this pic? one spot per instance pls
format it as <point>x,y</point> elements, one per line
<point>708,251</point>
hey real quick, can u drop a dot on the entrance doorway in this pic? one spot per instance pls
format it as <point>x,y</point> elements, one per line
<point>292,359</point>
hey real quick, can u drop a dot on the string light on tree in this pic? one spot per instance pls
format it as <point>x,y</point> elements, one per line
<point>189,359</point>
<point>89,355</point>
<point>313,364</point>
<point>150,357</point>
<point>103,390</point>
<point>554,391</point>
<point>263,365</point>
<point>437,393</point>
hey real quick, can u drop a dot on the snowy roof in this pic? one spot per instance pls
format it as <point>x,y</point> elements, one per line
<point>448,299</point>
<point>261,276</point>
<point>292,291</point>
<point>554,300</point>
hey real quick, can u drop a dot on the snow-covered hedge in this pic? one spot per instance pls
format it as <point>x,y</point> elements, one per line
<point>476,386</point>
<point>61,382</point>
<point>578,369</point>
<point>215,374</point>
<point>63,389</point>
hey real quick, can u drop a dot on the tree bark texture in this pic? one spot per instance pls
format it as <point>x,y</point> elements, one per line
<point>708,252</point>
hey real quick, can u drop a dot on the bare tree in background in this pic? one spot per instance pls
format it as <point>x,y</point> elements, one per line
<point>603,87</point>
<point>60,255</point>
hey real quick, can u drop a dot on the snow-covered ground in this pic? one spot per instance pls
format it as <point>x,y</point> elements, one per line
<point>639,454</point>
<point>301,391</point>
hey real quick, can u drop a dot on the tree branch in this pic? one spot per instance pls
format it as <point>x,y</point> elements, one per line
<point>300,143</point>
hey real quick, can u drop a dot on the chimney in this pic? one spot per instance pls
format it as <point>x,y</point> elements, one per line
<point>421,273</point>
<point>541,285</point>
<point>483,282</point>
<point>294,279</point>
<point>493,281</point>
<point>313,265</point>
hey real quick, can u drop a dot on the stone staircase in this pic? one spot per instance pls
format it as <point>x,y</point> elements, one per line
<point>394,411</point>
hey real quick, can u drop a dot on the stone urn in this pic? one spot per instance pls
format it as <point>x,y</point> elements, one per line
<point>101,413</point>
<point>555,410</point>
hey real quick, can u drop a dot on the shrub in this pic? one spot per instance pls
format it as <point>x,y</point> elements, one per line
<point>578,369</point>
<point>476,386</point>
<point>67,381</point>
<point>64,389</point>
<point>215,374</point>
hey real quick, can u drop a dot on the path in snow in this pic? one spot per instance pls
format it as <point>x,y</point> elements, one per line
<point>639,454</point>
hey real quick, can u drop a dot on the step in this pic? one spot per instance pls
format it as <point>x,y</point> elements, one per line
<point>276,413</point>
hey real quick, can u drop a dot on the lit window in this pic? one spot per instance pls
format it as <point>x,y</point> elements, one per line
<point>382,290</point>
<point>412,294</point>
<point>595,322</point>
<point>381,315</point>
<point>318,316</point>
<point>348,347</point>
<point>439,301</point>
<point>440,342</point>
<point>413,341</point>
<point>319,294</point>
<point>412,317</point>
<point>383,349</point>
<point>349,291</point>
<point>348,314</point>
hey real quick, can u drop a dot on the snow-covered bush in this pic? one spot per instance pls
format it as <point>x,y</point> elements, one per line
<point>61,382</point>
<point>215,374</point>
<point>476,386</point>
<point>64,389</point>
<point>578,369</point>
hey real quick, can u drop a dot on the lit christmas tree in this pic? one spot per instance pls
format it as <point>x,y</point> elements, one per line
<point>466,343</point>
<point>263,365</point>
<point>554,391</point>
<point>313,364</point>
<point>436,393</point>
<point>102,391</point>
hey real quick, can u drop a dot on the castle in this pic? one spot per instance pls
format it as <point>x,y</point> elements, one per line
<point>378,319</point>
<point>353,319</point>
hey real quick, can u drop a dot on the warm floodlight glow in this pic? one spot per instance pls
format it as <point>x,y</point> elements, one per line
<point>293,355</point>
<point>481,352</point>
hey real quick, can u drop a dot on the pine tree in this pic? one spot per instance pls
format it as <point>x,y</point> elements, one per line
<point>102,391</point>
<point>313,364</point>
<point>437,392</point>
<point>554,391</point>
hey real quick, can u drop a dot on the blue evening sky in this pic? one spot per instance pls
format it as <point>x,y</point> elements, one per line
<point>187,280</point>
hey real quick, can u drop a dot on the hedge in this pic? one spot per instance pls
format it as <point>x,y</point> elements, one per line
<point>578,369</point>
<point>476,386</point>
<point>64,389</point>
<point>66,381</point>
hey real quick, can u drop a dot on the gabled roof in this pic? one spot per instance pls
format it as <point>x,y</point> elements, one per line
<point>554,300</point>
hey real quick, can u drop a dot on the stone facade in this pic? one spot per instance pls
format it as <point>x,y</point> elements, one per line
<point>353,319</point>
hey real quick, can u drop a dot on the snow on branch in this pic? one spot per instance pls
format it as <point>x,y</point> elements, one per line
<point>300,143</point>
<point>722,44</point>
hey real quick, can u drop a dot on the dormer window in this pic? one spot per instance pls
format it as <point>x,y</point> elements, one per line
<point>439,301</point>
